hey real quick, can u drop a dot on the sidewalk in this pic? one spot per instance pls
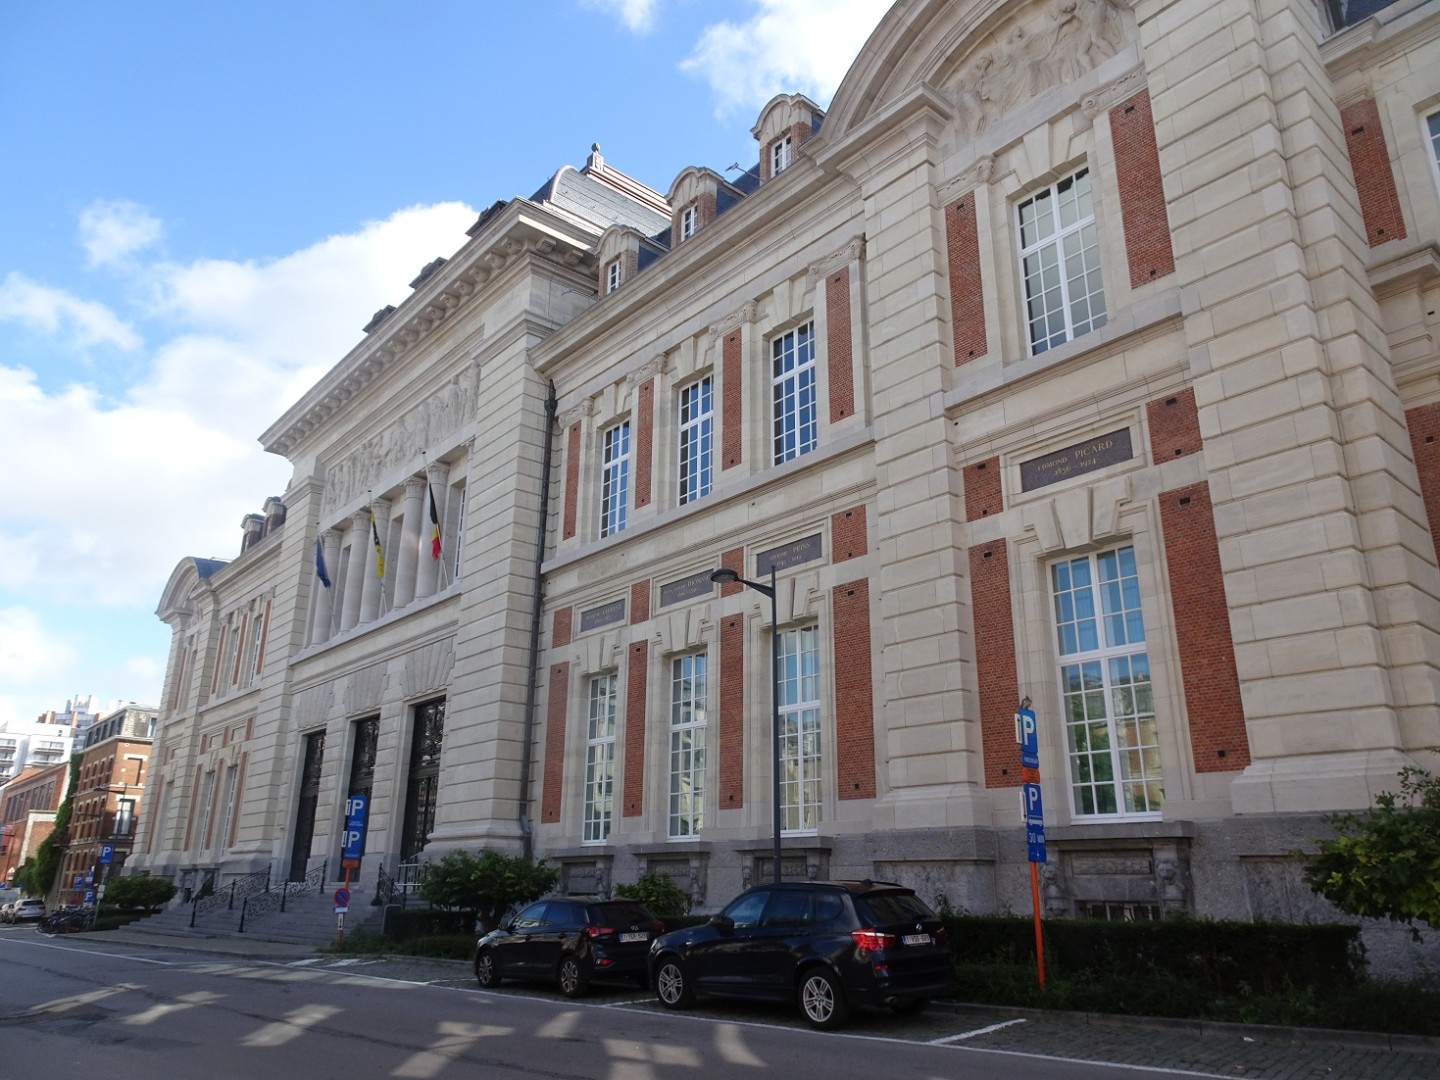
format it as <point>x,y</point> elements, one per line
<point>253,948</point>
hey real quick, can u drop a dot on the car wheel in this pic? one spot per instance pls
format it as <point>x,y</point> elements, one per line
<point>821,999</point>
<point>487,974</point>
<point>672,986</point>
<point>910,1006</point>
<point>572,978</point>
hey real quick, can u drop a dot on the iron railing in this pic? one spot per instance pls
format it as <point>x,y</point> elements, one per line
<point>275,899</point>
<point>397,889</point>
<point>212,899</point>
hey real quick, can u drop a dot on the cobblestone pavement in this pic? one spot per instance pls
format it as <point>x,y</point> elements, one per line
<point>1184,1047</point>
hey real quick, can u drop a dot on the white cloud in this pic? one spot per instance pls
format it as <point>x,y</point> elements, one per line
<point>28,653</point>
<point>637,15</point>
<point>83,323</point>
<point>112,231</point>
<point>788,46</point>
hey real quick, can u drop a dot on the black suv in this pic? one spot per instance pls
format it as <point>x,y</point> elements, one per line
<point>826,945</point>
<point>571,942</point>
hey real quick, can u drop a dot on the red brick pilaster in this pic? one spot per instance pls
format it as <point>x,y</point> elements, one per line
<point>635,685</point>
<point>731,409</point>
<point>556,710</point>
<point>840,356</point>
<point>1174,426</point>
<point>1374,177</point>
<point>982,489</point>
<point>995,662</point>
<point>732,712</point>
<point>644,437</point>
<point>560,633</point>
<point>1202,631</point>
<point>1424,424</point>
<point>854,691</point>
<point>967,296</point>
<point>848,536</point>
<point>1142,194</point>
<point>639,602</point>
<point>572,479</point>
<point>734,559</point>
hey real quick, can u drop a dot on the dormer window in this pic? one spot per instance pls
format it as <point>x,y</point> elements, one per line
<point>689,222</point>
<point>781,155</point>
<point>612,276</point>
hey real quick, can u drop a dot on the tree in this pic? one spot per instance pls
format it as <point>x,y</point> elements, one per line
<point>657,892</point>
<point>139,892</point>
<point>488,884</point>
<point>1386,862</point>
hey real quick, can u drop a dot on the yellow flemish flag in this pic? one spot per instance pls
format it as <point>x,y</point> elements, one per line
<point>379,554</point>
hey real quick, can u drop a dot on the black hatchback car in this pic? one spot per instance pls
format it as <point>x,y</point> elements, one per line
<point>570,942</point>
<point>829,946</point>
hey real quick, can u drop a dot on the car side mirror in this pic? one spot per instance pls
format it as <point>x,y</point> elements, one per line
<point>723,923</point>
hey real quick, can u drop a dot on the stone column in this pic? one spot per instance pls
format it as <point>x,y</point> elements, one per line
<point>428,574</point>
<point>411,536</point>
<point>321,628</point>
<point>355,570</point>
<point>374,589</point>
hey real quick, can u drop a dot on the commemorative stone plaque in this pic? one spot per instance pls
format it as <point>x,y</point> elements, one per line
<point>787,555</point>
<point>686,588</point>
<point>1076,460</point>
<point>603,615</point>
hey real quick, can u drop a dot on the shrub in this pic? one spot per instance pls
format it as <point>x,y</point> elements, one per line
<point>147,893</point>
<point>488,884</point>
<point>657,892</point>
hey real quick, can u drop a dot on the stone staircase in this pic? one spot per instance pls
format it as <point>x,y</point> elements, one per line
<point>308,919</point>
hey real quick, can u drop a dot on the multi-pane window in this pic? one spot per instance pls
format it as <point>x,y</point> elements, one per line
<point>614,478</point>
<point>257,644</point>
<point>600,759</point>
<point>689,222</point>
<point>222,838</point>
<point>239,624</point>
<point>697,425</point>
<point>1109,708</point>
<point>612,276</point>
<point>781,155</point>
<point>792,380</point>
<point>1060,263</point>
<point>207,806</point>
<point>799,711</point>
<point>687,744</point>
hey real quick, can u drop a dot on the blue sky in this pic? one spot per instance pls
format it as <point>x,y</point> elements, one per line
<point>202,204</point>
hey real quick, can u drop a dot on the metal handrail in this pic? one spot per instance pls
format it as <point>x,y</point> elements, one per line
<point>275,899</point>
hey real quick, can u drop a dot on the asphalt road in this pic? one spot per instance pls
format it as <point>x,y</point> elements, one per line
<point>135,1007</point>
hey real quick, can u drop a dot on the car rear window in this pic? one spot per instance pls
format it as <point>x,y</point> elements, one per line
<point>895,907</point>
<point>620,912</point>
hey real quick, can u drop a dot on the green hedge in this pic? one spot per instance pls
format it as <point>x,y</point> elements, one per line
<point>402,925</point>
<point>1225,958</point>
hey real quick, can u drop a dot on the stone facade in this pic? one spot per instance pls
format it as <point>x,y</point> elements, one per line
<point>1081,352</point>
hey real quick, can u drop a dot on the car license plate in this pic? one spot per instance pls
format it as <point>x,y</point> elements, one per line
<point>635,937</point>
<point>916,939</point>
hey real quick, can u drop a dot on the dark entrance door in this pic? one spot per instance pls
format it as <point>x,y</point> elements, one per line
<point>362,769</point>
<point>424,778</point>
<point>305,813</point>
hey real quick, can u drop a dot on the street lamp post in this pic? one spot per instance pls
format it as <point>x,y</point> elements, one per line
<point>726,576</point>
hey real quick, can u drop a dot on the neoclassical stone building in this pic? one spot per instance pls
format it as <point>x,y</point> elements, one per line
<point>1080,352</point>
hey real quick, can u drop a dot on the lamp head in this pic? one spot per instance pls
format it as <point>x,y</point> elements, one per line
<point>724,576</point>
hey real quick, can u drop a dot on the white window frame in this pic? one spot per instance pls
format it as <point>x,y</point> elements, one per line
<point>260,621</point>
<point>1112,743</point>
<point>1430,132</point>
<point>1059,257</point>
<point>794,410</point>
<point>782,154</point>
<point>612,276</point>
<point>455,511</point>
<point>697,440</point>
<point>801,752</point>
<point>222,838</point>
<point>239,626</point>
<point>689,221</point>
<point>614,478</point>
<point>689,690</point>
<point>599,809</point>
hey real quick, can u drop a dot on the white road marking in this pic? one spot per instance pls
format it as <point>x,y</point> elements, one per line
<point>977,1032</point>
